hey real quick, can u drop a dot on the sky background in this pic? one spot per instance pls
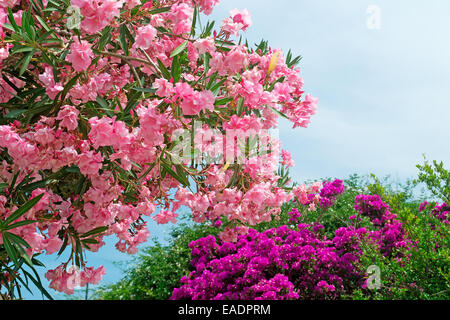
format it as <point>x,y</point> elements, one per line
<point>383,93</point>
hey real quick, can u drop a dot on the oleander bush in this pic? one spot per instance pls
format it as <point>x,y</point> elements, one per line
<point>114,110</point>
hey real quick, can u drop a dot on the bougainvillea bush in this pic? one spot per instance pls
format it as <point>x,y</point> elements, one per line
<point>113,110</point>
<point>295,263</point>
<point>409,250</point>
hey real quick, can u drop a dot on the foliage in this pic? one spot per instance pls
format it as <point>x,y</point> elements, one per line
<point>15,258</point>
<point>436,178</point>
<point>418,271</point>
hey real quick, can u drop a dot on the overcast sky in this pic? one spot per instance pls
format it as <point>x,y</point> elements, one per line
<point>383,93</point>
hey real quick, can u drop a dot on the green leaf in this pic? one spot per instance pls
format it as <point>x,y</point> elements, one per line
<point>38,284</point>
<point>20,224</point>
<point>73,169</point>
<point>160,10</point>
<point>90,240</point>
<point>69,86</point>
<point>28,24</point>
<point>194,20</point>
<point>105,38</point>
<point>10,250</point>
<point>124,33</point>
<point>208,29</point>
<point>13,181</point>
<point>176,69</point>
<point>15,238</point>
<point>14,113</point>
<point>12,21</point>
<point>181,178</point>
<point>179,49</point>
<point>206,59</point>
<point>223,101</point>
<point>64,245</point>
<point>42,22</point>
<point>240,106</point>
<point>23,209</point>
<point>25,62</point>
<point>94,231</point>
<point>102,102</point>
<point>146,90</point>
<point>23,254</point>
<point>21,49</point>
<point>279,112</point>
<point>147,171</point>
<point>215,88</point>
<point>38,184</point>
<point>163,69</point>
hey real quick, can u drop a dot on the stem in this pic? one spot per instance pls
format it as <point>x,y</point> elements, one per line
<point>128,58</point>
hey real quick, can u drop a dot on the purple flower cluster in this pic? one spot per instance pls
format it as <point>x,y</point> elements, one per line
<point>277,264</point>
<point>330,191</point>
<point>373,207</point>
<point>327,195</point>
<point>441,212</point>
<point>389,235</point>
<point>294,215</point>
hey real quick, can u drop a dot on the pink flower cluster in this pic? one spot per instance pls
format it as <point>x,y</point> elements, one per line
<point>67,280</point>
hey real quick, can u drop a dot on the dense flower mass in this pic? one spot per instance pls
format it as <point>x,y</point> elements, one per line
<point>389,236</point>
<point>330,191</point>
<point>294,262</point>
<point>278,264</point>
<point>92,98</point>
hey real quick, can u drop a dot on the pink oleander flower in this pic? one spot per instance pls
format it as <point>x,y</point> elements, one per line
<point>206,6</point>
<point>238,20</point>
<point>165,217</point>
<point>52,245</point>
<point>199,101</point>
<point>51,88</point>
<point>133,3</point>
<point>97,14</point>
<point>8,3</point>
<point>205,45</point>
<point>181,14</point>
<point>4,53</point>
<point>145,36</point>
<point>91,275</point>
<point>68,115</point>
<point>80,55</point>
<point>164,87</point>
<point>287,159</point>
<point>90,163</point>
